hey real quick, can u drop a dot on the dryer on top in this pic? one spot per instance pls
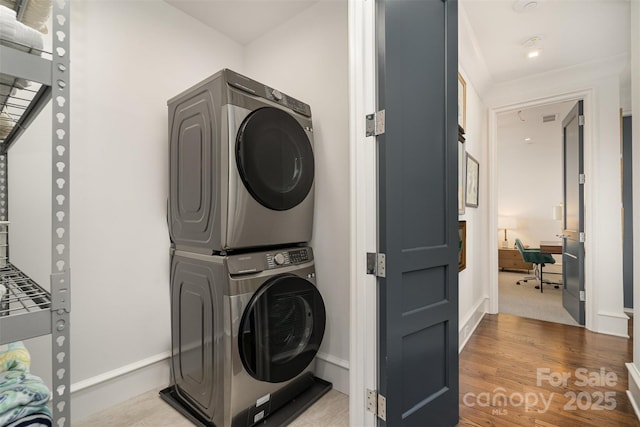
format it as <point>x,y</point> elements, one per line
<point>241,166</point>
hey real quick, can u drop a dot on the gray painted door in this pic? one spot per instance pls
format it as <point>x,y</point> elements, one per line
<point>418,220</point>
<point>573,221</point>
<point>627,204</point>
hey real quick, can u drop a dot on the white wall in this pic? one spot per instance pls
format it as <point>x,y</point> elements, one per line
<point>472,281</point>
<point>127,59</point>
<point>473,288</point>
<point>312,66</point>
<point>131,58</point>
<point>530,176</point>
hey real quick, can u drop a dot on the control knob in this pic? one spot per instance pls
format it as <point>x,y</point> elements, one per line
<point>276,94</point>
<point>279,258</point>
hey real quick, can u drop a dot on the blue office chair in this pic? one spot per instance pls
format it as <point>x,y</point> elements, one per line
<point>538,259</point>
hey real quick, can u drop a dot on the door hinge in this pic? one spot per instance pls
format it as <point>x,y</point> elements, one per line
<point>582,297</point>
<point>376,264</point>
<point>582,237</point>
<point>581,178</point>
<point>581,120</point>
<point>375,123</point>
<point>377,404</point>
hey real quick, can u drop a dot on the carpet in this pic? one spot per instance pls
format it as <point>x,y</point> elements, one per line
<point>526,301</point>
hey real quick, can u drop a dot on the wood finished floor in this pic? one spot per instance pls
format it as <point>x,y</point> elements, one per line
<point>504,355</point>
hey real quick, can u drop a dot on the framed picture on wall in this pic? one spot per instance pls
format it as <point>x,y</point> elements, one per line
<point>462,102</point>
<point>462,245</point>
<point>473,177</point>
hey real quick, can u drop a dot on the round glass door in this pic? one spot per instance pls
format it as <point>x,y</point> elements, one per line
<point>275,158</point>
<point>281,329</point>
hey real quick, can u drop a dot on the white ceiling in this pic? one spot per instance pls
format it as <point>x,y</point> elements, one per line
<point>574,32</point>
<point>527,123</point>
<point>242,20</point>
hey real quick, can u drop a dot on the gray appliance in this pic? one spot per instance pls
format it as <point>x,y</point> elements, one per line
<point>241,166</point>
<point>245,332</point>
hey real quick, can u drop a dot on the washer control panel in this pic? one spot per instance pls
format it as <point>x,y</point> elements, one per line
<point>255,262</point>
<point>288,257</point>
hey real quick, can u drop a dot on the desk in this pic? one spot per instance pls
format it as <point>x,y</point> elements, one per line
<point>551,247</point>
<point>511,259</point>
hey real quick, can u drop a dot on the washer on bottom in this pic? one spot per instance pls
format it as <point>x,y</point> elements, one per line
<point>245,331</point>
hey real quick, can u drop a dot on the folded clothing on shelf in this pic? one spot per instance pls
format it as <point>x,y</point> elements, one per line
<point>18,35</point>
<point>33,420</point>
<point>21,393</point>
<point>14,357</point>
<point>6,125</point>
<point>36,13</point>
<point>7,23</point>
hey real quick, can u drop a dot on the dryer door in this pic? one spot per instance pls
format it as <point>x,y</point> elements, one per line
<point>281,329</point>
<point>275,158</point>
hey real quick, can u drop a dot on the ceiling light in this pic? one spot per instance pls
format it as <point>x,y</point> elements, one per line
<point>528,140</point>
<point>533,53</point>
<point>532,45</point>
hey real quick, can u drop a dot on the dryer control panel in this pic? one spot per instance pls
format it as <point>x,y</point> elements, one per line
<point>251,86</point>
<point>268,260</point>
<point>289,102</point>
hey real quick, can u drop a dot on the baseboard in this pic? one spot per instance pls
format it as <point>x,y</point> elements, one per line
<point>102,391</point>
<point>634,387</point>
<point>334,370</point>
<point>616,324</point>
<point>470,322</point>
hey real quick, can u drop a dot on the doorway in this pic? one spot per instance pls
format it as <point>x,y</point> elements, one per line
<point>530,207</point>
<point>493,245</point>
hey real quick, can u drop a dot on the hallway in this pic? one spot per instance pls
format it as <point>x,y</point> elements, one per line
<point>523,372</point>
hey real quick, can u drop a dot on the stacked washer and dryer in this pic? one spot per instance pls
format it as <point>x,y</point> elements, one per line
<point>247,319</point>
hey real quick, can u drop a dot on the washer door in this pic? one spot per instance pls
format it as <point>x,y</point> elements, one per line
<point>275,158</point>
<point>281,329</point>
